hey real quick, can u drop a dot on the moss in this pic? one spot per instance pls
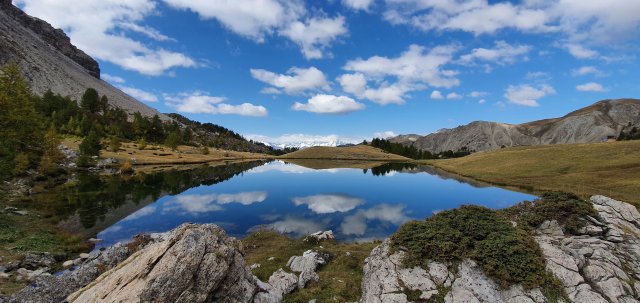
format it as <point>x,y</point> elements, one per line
<point>507,254</point>
<point>566,208</point>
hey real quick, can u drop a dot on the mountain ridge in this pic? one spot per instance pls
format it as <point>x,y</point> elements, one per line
<point>597,122</point>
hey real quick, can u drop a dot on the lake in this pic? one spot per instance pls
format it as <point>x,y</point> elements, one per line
<point>357,204</point>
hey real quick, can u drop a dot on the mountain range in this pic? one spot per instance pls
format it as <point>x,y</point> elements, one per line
<point>600,121</point>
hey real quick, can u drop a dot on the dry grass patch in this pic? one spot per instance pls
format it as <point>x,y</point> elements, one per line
<point>358,152</point>
<point>610,168</point>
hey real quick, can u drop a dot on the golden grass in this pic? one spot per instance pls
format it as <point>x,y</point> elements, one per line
<point>328,164</point>
<point>358,152</point>
<point>159,155</point>
<point>610,168</point>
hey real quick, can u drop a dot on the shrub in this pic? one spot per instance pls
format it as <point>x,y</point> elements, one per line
<point>568,209</point>
<point>142,144</point>
<point>115,144</point>
<point>20,164</point>
<point>126,168</point>
<point>205,150</point>
<point>507,254</point>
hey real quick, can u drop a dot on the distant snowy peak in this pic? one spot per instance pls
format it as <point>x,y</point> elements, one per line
<point>306,144</point>
<point>303,141</point>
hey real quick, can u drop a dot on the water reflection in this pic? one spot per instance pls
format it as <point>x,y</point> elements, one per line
<point>358,204</point>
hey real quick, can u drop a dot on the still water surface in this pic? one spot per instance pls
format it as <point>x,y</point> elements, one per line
<point>357,204</point>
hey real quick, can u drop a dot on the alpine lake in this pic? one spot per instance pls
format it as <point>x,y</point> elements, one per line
<point>357,204</point>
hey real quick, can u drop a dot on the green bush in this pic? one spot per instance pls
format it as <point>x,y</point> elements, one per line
<point>507,254</point>
<point>568,209</point>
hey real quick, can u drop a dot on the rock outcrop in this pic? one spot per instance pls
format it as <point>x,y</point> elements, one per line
<point>602,264</point>
<point>49,61</point>
<point>54,37</point>
<point>602,120</point>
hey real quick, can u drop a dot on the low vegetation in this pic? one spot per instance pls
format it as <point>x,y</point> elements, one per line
<point>507,254</point>
<point>632,134</point>
<point>340,278</point>
<point>568,209</point>
<point>608,168</point>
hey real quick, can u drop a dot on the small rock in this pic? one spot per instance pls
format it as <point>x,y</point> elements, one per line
<point>283,282</point>
<point>271,258</point>
<point>313,301</point>
<point>94,240</point>
<point>306,277</point>
<point>77,261</point>
<point>3,269</point>
<point>309,261</point>
<point>21,212</point>
<point>67,263</point>
<point>348,254</point>
<point>254,266</point>
<point>85,256</point>
<point>35,260</point>
<point>321,235</point>
<point>4,275</point>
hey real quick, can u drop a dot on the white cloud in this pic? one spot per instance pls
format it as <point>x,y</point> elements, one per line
<point>250,18</point>
<point>139,94</point>
<point>204,203</point>
<point>538,75</point>
<point>112,79</point>
<point>503,53</point>
<point>454,96</point>
<point>436,95</point>
<point>385,134</point>
<point>586,70</point>
<point>581,52</point>
<point>482,101</point>
<point>295,81</point>
<point>414,69</point>
<point>475,16</point>
<point>599,21</point>
<point>358,4</point>
<point>329,104</point>
<point>327,204</point>
<point>356,224</point>
<point>104,34</point>
<point>203,103</point>
<point>527,95</point>
<point>315,34</point>
<point>591,87</point>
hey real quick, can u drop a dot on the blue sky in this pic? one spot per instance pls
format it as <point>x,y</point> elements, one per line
<point>357,68</point>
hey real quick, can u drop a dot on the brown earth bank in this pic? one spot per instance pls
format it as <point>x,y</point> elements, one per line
<point>588,252</point>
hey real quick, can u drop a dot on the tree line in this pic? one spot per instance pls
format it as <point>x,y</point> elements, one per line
<point>412,152</point>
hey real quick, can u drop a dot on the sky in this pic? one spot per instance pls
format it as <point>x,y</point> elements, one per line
<point>289,70</point>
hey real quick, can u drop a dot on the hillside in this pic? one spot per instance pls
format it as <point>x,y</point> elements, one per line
<point>595,123</point>
<point>610,168</point>
<point>358,152</point>
<point>50,61</point>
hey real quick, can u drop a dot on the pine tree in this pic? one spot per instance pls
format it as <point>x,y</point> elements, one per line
<point>52,155</point>
<point>90,101</point>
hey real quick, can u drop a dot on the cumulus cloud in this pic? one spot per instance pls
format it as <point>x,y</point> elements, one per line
<point>503,53</point>
<point>203,103</point>
<point>358,4</point>
<point>327,204</point>
<point>204,203</point>
<point>295,81</point>
<point>477,94</point>
<point>581,52</point>
<point>356,224</point>
<point>596,20</point>
<point>250,18</point>
<point>315,34</point>
<point>586,70</point>
<point>454,96</point>
<point>329,104</point>
<point>527,95</point>
<point>104,34</point>
<point>436,95</point>
<point>297,226</point>
<point>482,101</point>
<point>591,87</point>
<point>414,69</point>
<point>139,94</point>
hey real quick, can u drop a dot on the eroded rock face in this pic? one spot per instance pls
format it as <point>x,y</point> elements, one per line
<point>603,263</point>
<point>196,263</point>
<point>600,265</point>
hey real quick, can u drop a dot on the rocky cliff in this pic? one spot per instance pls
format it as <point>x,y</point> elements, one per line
<point>594,123</point>
<point>50,61</point>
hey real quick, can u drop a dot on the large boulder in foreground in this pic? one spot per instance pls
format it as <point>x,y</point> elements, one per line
<point>599,264</point>
<point>195,263</point>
